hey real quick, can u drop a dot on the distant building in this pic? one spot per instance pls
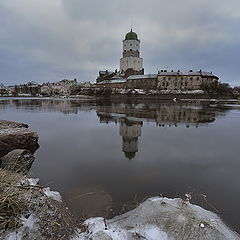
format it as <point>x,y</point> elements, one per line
<point>58,88</point>
<point>3,89</point>
<point>177,80</point>
<point>131,73</point>
<point>46,90</point>
<point>28,89</point>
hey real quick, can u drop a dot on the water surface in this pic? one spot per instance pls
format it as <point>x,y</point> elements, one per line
<point>105,156</point>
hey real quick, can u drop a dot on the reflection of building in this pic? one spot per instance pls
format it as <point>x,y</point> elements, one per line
<point>130,131</point>
<point>182,114</point>
<point>131,118</point>
<point>48,105</point>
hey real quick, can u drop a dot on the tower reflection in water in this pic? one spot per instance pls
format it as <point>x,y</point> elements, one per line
<point>131,117</point>
<point>130,131</point>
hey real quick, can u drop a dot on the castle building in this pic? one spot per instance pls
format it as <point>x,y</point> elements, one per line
<point>131,63</point>
<point>131,74</point>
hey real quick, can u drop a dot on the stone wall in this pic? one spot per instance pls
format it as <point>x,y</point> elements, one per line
<point>183,82</point>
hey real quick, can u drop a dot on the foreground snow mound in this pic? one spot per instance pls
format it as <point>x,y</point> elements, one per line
<point>160,219</point>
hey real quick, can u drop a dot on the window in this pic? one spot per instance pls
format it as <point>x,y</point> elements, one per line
<point>130,49</point>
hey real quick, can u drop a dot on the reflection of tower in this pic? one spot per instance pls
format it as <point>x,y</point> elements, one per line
<point>130,131</point>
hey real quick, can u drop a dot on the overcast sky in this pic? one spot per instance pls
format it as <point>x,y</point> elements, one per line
<point>49,40</point>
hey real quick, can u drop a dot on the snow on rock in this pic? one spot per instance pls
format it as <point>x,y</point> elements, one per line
<point>160,219</point>
<point>52,194</point>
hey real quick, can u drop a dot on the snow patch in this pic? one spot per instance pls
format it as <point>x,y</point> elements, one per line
<point>28,226</point>
<point>52,194</point>
<point>159,218</point>
<point>33,181</point>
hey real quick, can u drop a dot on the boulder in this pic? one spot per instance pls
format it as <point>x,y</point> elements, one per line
<point>16,136</point>
<point>7,124</point>
<point>18,160</point>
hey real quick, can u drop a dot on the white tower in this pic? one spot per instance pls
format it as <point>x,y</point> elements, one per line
<point>131,63</point>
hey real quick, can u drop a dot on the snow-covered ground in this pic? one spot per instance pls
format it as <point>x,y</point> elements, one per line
<point>159,219</point>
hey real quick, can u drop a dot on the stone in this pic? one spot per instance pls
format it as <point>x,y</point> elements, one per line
<point>16,136</point>
<point>7,124</point>
<point>18,160</point>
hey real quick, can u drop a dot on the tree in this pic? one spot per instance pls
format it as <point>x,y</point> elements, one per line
<point>217,88</point>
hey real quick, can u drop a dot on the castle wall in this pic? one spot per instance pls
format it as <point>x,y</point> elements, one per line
<point>135,63</point>
<point>183,82</point>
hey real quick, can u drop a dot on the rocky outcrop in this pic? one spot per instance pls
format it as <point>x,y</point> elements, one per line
<point>16,136</point>
<point>7,124</point>
<point>18,160</point>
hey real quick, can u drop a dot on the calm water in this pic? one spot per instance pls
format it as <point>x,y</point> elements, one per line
<point>102,156</point>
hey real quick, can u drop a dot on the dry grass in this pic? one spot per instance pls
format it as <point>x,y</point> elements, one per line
<point>55,220</point>
<point>12,205</point>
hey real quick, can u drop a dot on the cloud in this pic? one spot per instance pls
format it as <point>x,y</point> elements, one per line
<point>48,40</point>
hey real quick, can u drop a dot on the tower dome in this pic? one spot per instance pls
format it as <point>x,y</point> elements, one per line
<point>131,36</point>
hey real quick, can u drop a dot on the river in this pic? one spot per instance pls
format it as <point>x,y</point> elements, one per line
<point>106,157</point>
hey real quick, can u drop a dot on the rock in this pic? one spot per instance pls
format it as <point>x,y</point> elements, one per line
<point>7,124</point>
<point>18,160</point>
<point>16,136</point>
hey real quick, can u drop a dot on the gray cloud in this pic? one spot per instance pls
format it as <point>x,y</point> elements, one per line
<point>49,40</point>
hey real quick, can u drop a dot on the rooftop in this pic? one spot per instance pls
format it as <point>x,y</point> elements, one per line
<point>190,73</point>
<point>132,77</point>
<point>131,36</point>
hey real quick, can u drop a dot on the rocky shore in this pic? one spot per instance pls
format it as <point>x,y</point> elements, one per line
<point>27,210</point>
<point>30,211</point>
<point>16,136</point>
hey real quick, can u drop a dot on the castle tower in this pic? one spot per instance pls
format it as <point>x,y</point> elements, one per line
<point>131,63</point>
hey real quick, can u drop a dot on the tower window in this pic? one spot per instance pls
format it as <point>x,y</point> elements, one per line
<point>130,49</point>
